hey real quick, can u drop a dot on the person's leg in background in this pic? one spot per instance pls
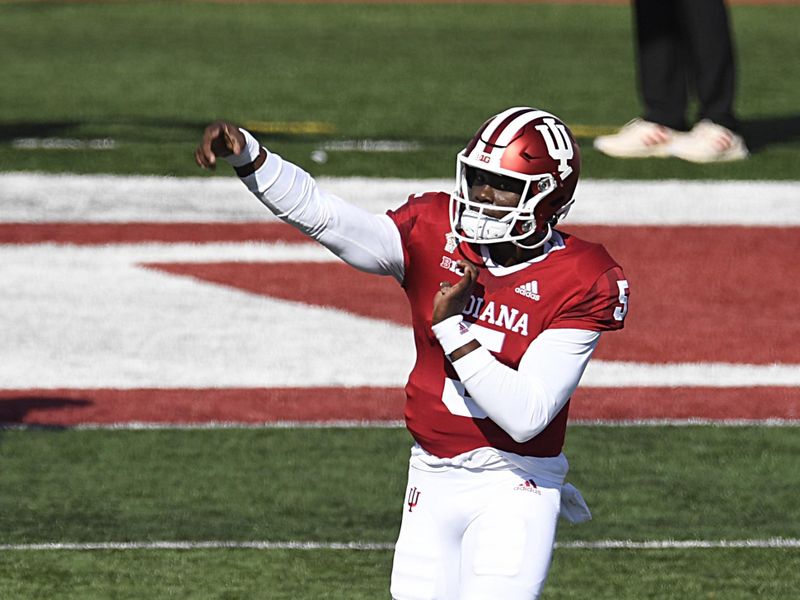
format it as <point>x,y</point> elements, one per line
<point>682,46</point>
<point>713,70</point>
<point>661,77</point>
<point>713,80</point>
<point>661,62</point>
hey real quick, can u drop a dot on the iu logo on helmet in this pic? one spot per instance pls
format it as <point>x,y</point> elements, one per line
<point>559,146</point>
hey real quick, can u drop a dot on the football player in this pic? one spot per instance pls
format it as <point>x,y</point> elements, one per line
<point>506,312</point>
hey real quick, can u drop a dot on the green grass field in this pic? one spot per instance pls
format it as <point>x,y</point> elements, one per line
<point>343,485</point>
<point>737,574</point>
<point>151,75</point>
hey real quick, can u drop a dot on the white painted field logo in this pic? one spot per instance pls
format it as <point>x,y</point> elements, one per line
<point>559,146</point>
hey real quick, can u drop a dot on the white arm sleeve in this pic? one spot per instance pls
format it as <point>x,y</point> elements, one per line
<point>524,401</point>
<point>366,241</point>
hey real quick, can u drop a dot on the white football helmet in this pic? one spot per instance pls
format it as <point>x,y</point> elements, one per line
<point>537,150</point>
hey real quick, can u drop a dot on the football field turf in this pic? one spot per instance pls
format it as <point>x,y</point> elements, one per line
<point>274,487</point>
<point>159,442</point>
<point>142,79</point>
<point>130,338</point>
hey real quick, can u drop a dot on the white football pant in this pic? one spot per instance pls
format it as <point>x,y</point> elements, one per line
<point>474,535</point>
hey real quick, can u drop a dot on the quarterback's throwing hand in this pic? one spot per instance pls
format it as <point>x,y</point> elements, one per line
<point>219,139</point>
<point>451,299</point>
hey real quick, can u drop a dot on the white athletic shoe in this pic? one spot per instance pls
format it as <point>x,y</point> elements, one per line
<point>637,139</point>
<point>708,142</point>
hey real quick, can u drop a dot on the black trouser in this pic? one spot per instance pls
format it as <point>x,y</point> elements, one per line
<point>685,46</point>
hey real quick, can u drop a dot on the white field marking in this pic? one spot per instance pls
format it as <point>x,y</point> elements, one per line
<point>211,425</point>
<point>214,545</point>
<point>93,317</point>
<point>391,424</point>
<point>85,318</point>
<point>771,543</point>
<point>371,146</point>
<point>154,252</point>
<point>54,143</point>
<point>677,544</point>
<point>692,422</point>
<point>40,197</point>
<point>601,373</point>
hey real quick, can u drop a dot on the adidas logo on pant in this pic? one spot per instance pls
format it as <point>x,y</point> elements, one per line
<point>529,290</point>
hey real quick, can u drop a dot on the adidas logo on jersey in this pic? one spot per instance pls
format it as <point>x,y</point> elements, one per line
<point>529,485</point>
<point>529,290</point>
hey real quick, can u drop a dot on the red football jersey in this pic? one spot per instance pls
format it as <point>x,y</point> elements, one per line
<point>578,286</point>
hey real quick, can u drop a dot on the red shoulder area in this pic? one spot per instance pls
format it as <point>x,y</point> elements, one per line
<point>417,204</point>
<point>592,258</point>
<point>428,206</point>
<point>600,296</point>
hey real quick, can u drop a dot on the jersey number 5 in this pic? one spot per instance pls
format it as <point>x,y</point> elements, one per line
<point>622,310</point>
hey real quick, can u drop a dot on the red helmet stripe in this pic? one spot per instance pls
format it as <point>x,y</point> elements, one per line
<point>514,128</point>
<point>476,138</point>
<point>500,128</point>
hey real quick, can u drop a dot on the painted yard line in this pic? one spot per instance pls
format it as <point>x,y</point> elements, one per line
<point>213,545</point>
<point>212,425</point>
<point>132,372</point>
<point>133,254</point>
<point>34,197</point>
<point>215,408</point>
<point>392,424</point>
<point>685,423</point>
<point>676,544</point>
<point>613,374</point>
<point>776,543</point>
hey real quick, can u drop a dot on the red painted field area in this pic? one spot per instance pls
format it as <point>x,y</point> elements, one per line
<point>722,294</point>
<point>69,407</point>
<point>698,294</point>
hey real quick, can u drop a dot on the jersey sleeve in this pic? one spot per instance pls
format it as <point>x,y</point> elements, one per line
<point>368,242</point>
<point>523,402</point>
<point>405,219</point>
<point>602,308</point>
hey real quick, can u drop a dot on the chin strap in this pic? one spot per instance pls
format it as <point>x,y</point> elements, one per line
<point>541,239</point>
<point>546,235</point>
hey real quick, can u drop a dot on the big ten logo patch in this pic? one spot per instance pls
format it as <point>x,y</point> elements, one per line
<point>451,265</point>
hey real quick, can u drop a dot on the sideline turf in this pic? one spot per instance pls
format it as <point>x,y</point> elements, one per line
<point>317,574</point>
<point>341,485</point>
<point>150,75</point>
<point>347,485</point>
